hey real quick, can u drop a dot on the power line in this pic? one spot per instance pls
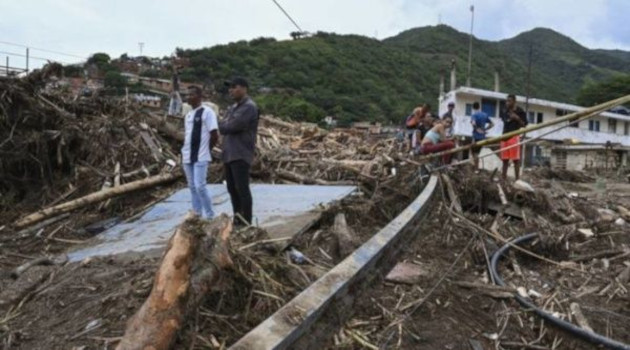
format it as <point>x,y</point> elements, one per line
<point>288,16</point>
<point>31,57</point>
<point>43,50</point>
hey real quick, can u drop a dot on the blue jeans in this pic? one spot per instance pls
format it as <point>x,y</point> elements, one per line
<point>196,176</point>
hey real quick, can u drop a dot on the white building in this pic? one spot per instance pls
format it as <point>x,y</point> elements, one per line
<point>599,142</point>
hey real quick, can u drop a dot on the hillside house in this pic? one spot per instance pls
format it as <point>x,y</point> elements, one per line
<point>588,144</point>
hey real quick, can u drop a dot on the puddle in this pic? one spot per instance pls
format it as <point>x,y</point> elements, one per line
<point>151,231</point>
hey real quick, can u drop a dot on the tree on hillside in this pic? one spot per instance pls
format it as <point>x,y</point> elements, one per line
<point>595,93</point>
<point>115,82</point>
<point>100,59</point>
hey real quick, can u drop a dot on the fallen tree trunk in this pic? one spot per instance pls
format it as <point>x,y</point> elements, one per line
<point>277,122</point>
<point>165,127</point>
<point>295,177</point>
<point>192,263</point>
<point>95,198</point>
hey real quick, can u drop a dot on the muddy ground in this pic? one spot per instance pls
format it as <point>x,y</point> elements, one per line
<point>438,312</point>
<point>88,304</point>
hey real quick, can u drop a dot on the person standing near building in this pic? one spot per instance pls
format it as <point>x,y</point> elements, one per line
<point>239,129</point>
<point>175,104</point>
<point>481,123</point>
<point>513,118</point>
<point>449,112</point>
<point>200,126</point>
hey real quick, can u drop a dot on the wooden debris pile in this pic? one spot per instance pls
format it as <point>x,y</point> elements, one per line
<point>577,269</point>
<point>55,147</point>
<point>296,153</point>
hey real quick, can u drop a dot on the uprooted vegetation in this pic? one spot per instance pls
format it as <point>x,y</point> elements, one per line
<point>446,297</point>
<point>66,148</point>
<point>60,148</point>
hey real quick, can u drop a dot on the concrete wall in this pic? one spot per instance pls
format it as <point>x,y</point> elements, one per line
<point>589,159</point>
<point>582,133</point>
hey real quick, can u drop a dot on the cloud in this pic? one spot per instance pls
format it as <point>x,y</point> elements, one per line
<point>116,26</point>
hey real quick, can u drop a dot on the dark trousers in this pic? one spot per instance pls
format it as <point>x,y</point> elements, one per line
<point>237,178</point>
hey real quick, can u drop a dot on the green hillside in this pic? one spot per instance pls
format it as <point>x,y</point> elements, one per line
<point>359,78</point>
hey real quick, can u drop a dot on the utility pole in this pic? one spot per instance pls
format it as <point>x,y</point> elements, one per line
<point>7,66</point>
<point>141,46</point>
<point>527,89</point>
<point>472,21</point>
<point>27,55</point>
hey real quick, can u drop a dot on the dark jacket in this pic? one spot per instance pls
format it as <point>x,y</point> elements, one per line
<point>239,131</point>
<point>512,125</point>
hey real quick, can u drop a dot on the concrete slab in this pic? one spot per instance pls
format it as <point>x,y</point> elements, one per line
<point>284,210</point>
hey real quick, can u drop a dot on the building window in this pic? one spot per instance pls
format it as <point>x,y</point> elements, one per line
<point>593,125</point>
<point>539,118</point>
<point>469,109</point>
<point>531,117</point>
<point>561,112</point>
<point>612,126</point>
<point>489,107</point>
<point>626,129</point>
<point>575,124</point>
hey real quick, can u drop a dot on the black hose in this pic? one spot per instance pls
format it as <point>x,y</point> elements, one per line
<point>567,326</point>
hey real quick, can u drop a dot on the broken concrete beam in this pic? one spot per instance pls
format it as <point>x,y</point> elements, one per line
<point>607,215</point>
<point>407,273</point>
<point>345,237</point>
<point>523,186</point>
<point>586,232</point>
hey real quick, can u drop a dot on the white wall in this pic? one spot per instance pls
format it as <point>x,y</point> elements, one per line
<point>462,125</point>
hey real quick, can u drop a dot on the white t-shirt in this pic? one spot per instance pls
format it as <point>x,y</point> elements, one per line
<point>198,144</point>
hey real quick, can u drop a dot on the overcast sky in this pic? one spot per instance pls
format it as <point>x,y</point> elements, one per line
<point>82,27</point>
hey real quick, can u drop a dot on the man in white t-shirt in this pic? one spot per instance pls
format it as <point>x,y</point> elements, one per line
<point>200,137</point>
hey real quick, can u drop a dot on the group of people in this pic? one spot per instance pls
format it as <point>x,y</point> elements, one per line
<point>238,132</point>
<point>428,134</point>
<point>425,134</point>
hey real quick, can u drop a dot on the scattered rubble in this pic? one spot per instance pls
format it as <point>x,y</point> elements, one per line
<point>82,154</point>
<point>59,150</point>
<point>579,277</point>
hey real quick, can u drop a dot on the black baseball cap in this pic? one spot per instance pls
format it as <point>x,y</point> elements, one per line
<point>237,81</point>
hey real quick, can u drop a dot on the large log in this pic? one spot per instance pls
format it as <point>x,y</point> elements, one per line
<point>165,127</point>
<point>95,198</point>
<point>295,177</point>
<point>191,265</point>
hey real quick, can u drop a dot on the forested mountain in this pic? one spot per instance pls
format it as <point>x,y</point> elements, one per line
<point>360,78</point>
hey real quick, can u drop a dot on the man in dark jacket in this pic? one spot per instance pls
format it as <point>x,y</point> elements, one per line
<point>239,142</point>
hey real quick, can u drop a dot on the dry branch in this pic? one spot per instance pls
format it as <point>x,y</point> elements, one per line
<point>95,198</point>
